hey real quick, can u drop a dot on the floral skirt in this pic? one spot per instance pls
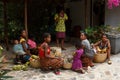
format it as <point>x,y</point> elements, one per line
<point>50,63</point>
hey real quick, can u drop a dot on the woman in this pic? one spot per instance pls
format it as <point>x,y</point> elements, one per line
<point>60,19</point>
<point>24,44</point>
<point>104,44</point>
<point>47,61</point>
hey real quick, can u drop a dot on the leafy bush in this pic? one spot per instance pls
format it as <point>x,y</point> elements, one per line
<point>94,33</point>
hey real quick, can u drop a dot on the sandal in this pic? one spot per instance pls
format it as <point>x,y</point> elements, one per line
<point>63,48</point>
<point>80,71</point>
<point>109,62</point>
<point>57,72</point>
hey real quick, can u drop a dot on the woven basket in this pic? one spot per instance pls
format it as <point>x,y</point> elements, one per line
<point>67,66</point>
<point>100,57</point>
<point>35,63</point>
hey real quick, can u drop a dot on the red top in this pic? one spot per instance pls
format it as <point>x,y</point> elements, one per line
<point>42,52</point>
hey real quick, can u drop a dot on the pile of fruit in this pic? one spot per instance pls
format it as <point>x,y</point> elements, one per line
<point>32,61</point>
<point>21,67</point>
<point>35,61</point>
<point>101,51</point>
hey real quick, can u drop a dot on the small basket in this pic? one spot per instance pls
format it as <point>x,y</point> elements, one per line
<point>100,57</point>
<point>35,63</point>
<point>67,65</point>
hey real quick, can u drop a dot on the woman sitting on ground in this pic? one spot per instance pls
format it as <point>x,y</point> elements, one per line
<point>24,44</point>
<point>104,43</point>
<point>47,61</point>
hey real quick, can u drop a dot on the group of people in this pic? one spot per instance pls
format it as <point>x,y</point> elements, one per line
<point>83,50</point>
<point>24,48</point>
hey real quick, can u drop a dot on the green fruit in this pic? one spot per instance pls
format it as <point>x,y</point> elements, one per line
<point>27,63</point>
<point>34,56</point>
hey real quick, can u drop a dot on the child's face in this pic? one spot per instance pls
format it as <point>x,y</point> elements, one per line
<point>16,42</point>
<point>82,36</point>
<point>48,39</point>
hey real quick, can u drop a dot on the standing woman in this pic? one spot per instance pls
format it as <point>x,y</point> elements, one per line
<point>60,19</point>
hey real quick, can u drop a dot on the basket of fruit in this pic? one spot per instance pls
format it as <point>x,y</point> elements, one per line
<point>100,56</point>
<point>67,64</point>
<point>35,61</point>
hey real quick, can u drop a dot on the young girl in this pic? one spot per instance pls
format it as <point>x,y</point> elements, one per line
<point>60,19</point>
<point>47,61</point>
<point>77,64</point>
<point>88,54</point>
<point>18,50</point>
<point>32,45</point>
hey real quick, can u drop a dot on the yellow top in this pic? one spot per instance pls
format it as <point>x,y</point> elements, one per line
<point>22,40</point>
<point>60,26</point>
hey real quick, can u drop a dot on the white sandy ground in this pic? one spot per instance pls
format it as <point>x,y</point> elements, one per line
<point>101,71</point>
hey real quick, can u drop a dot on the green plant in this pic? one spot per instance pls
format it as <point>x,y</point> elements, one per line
<point>94,33</point>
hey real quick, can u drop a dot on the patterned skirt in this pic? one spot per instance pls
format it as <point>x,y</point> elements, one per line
<point>50,63</point>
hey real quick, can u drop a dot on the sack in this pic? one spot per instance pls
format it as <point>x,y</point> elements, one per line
<point>56,51</point>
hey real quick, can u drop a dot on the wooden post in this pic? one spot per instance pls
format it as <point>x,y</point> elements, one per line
<point>91,13</point>
<point>5,24</point>
<point>85,13</point>
<point>25,17</point>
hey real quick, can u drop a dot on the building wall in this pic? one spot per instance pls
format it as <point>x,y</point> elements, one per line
<point>112,16</point>
<point>77,13</point>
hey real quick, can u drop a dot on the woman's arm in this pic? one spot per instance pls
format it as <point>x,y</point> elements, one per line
<point>109,47</point>
<point>96,44</point>
<point>24,47</point>
<point>56,18</point>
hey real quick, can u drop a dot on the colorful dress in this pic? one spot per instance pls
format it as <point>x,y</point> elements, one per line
<point>60,25</point>
<point>49,63</point>
<point>77,64</point>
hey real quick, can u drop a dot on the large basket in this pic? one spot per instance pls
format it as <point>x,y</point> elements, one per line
<point>100,57</point>
<point>67,66</point>
<point>35,63</point>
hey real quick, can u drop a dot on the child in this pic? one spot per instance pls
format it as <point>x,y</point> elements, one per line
<point>88,52</point>
<point>77,64</point>
<point>60,19</point>
<point>18,50</point>
<point>47,61</point>
<point>32,45</point>
<point>31,42</point>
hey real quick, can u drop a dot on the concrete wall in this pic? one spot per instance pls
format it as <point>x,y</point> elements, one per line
<point>77,14</point>
<point>112,16</point>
